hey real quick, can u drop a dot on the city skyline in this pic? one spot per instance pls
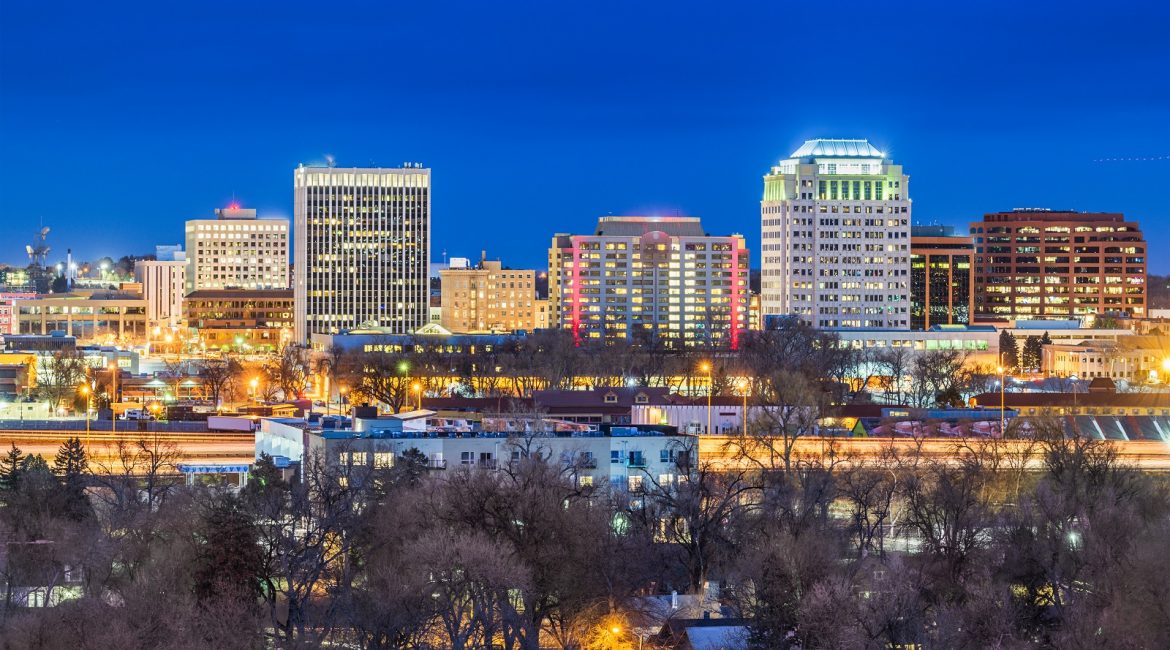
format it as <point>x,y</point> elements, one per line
<point>590,128</point>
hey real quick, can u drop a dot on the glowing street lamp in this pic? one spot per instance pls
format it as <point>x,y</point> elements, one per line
<point>706,367</point>
<point>745,385</point>
<point>1001,370</point>
<point>417,387</point>
<point>85,391</point>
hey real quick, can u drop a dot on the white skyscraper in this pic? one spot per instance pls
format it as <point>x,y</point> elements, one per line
<point>835,243</point>
<point>237,251</point>
<point>362,246</point>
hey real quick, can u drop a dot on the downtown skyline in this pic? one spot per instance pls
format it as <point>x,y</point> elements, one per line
<point>672,115</point>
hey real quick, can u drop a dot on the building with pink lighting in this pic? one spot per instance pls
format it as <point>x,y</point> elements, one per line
<point>650,279</point>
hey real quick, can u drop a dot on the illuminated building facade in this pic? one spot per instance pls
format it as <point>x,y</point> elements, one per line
<point>241,320</point>
<point>835,237</point>
<point>942,279</point>
<point>237,251</point>
<point>362,249</point>
<point>488,298</point>
<point>650,278</point>
<point>1039,264</point>
<point>163,286</point>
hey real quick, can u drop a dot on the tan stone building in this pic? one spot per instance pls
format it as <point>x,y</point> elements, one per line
<point>242,320</point>
<point>488,298</point>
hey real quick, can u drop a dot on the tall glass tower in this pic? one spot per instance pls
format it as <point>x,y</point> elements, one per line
<point>361,249</point>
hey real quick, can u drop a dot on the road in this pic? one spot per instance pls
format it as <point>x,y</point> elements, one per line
<point>103,446</point>
<point>719,451</point>
<point>723,452</point>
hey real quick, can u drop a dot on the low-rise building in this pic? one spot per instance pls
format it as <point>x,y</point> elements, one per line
<point>105,316</point>
<point>255,320</point>
<point>630,458</point>
<point>1132,359</point>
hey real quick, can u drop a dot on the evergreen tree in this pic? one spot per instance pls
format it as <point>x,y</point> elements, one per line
<point>1045,340</point>
<point>70,466</point>
<point>264,479</point>
<point>229,561</point>
<point>1009,350</point>
<point>1032,354</point>
<point>34,464</point>
<point>71,462</point>
<point>10,468</point>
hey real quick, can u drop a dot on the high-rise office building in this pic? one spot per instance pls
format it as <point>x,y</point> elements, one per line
<point>942,278</point>
<point>237,251</point>
<point>163,286</point>
<point>1034,263</point>
<point>362,249</point>
<point>488,298</point>
<point>835,221</point>
<point>646,278</point>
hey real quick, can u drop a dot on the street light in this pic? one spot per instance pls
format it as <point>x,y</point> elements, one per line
<point>1001,371</point>
<point>417,387</point>
<point>86,393</point>
<point>745,385</point>
<point>254,384</point>
<point>113,396</point>
<point>706,367</point>
<point>341,398</point>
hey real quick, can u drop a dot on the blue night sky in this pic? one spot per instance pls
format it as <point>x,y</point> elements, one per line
<point>118,121</point>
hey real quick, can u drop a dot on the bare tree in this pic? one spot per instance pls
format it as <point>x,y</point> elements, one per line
<point>59,375</point>
<point>217,375</point>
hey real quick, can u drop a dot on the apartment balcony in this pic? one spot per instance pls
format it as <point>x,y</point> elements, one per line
<point>638,462</point>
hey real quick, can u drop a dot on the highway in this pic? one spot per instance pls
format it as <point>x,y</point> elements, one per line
<point>103,446</point>
<point>722,452</point>
<point>719,452</point>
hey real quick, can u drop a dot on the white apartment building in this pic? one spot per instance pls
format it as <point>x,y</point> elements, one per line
<point>163,287</point>
<point>835,221</point>
<point>362,249</point>
<point>626,458</point>
<point>237,251</point>
<point>644,278</point>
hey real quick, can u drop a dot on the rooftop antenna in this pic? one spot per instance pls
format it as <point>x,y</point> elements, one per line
<point>330,161</point>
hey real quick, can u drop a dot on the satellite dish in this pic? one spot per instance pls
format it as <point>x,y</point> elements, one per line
<point>45,232</point>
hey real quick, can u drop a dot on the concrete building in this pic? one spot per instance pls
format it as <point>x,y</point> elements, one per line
<point>241,320</point>
<point>628,458</point>
<point>8,309</point>
<point>102,316</point>
<point>237,251</point>
<point>942,278</point>
<point>163,287</point>
<point>835,228</point>
<point>645,278</point>
<point>1135,359</point>
<point>362,249</point>
<point>1037,263</point>
<point>488,298</point>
